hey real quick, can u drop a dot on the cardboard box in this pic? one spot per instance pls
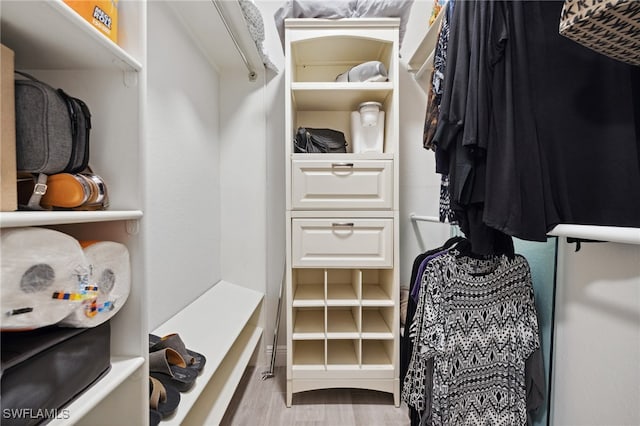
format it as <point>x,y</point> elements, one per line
<point>8,189</point>
<point>102,14</point>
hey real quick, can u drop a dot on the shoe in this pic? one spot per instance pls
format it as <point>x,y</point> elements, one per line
<point>193,359</point>
<point>163,399</point>
<point>169,367</point>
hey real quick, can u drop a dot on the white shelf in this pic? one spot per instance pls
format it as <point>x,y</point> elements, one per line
<point>222,385</point>
<point>51,35</point>
<point>614,234</point>
<point>224,314</point>
<point>425,49</point>
<point>40,218</point>
<point>121,369</point>
<point>338,96</point>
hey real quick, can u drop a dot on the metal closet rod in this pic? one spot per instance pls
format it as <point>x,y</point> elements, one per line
<point>252,74</point>
<point>614,234</point>
<point>414,217</point>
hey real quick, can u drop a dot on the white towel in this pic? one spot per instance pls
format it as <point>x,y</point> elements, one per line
<point>108,287</point>
<point>41,272</point>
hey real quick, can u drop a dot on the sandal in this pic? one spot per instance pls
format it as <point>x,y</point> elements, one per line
<point>154,418</point>
<point>162,399</point>
<point>169,365</point>
<point>193,359</point>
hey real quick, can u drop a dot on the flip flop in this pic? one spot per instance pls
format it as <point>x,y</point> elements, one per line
<point>154,418</point>
<point>168,366</point>
<point>162,399</point>
<point>193,359</point>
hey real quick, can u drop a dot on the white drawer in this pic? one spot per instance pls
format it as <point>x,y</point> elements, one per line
<point>342,242</point>
<point>342,185</point>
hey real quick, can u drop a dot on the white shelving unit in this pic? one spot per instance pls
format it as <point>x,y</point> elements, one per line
<point>342,213</point>
<point>52,42</point>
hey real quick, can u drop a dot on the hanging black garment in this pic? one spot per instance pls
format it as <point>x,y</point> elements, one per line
<point>587,111</point>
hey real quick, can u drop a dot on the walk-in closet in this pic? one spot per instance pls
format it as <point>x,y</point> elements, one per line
<point>362,212</point>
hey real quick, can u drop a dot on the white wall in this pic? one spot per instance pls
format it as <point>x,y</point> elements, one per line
<point>182,208</point>
<point>596,370</point>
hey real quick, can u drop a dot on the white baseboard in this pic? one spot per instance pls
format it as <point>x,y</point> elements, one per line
<point>281,355</point>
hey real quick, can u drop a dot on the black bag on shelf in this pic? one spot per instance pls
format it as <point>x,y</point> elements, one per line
<point>52,132</point>
<point>43,370</point>
<point>310,140</point>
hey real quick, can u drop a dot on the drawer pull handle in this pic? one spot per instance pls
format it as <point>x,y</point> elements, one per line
<point>342,165</point>
<point>342,224</point>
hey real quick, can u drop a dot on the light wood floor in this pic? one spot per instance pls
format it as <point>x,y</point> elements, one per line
<point>260,402</point>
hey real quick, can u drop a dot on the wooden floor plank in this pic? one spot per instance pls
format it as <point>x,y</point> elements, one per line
<point>262,402</point>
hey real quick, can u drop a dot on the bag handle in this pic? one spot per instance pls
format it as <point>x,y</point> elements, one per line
<point>39,189</point>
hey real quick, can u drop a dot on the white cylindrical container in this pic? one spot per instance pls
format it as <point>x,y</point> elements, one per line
<point>367,128</point>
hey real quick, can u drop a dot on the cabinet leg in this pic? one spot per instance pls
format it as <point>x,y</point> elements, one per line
<point>289,394</point>
<point>396,393</point>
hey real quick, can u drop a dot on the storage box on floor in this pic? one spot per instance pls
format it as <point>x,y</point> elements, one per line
<point>43,370</point>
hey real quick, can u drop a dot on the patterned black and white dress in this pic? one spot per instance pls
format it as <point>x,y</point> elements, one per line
<point>477,320</point>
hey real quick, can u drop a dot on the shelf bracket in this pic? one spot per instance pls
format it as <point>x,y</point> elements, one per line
<point>130,78</point>
<point>132,227</point>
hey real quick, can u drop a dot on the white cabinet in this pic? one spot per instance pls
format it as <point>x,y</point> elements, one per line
<point>52,42</point>
<point>342,212</point>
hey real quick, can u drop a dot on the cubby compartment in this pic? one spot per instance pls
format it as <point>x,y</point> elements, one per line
<point>322,59</point>
<point>322,106</point>
<point>377,323</point>
<point>308,323</point>
<point>309,354</point>
<point>343,287</point>
<point>343,322</point>
<point>377,354</point>
<point>343,354</point>
<point>377,287</point>
<point>308,287</point>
